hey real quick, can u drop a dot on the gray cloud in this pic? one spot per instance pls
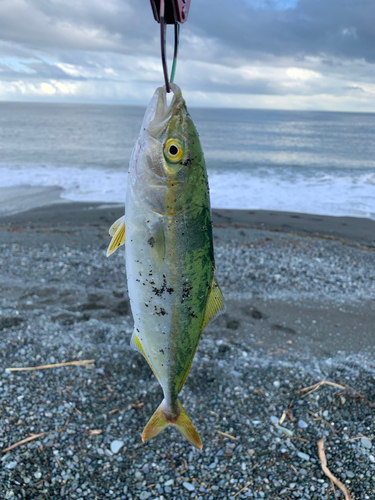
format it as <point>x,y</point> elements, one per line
<point>339,28</point>
<point>242,47</point>
<point>241,29</point>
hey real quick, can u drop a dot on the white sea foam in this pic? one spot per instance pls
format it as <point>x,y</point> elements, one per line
<point>320,192</point>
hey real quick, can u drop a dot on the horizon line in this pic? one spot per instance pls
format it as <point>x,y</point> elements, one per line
<point>120,103</point>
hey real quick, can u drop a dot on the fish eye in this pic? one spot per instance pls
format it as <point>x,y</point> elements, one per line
<point>173,150</point>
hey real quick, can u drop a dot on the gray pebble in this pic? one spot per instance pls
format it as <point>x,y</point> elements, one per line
<point>11,465</point>
<point>146,468</point>
<point>188,486</point>
<point>116,446</point>
<point>302,424</point>
<point>366,443</point>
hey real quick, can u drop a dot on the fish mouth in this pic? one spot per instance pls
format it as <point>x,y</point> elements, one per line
<point>163,113</point>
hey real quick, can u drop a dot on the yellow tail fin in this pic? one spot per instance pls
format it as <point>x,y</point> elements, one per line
<point>158,422</point>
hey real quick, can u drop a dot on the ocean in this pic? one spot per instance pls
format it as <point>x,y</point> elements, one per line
<point>299,161</point>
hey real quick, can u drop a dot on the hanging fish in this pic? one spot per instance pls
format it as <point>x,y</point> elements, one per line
<point>169,252</point>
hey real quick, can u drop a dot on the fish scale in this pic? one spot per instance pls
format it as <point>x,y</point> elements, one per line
<point>169,252</point>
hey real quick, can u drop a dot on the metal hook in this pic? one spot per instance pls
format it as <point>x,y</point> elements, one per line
<point>163,41</point>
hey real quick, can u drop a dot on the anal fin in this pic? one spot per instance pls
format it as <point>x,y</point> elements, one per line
<point>137,345</point>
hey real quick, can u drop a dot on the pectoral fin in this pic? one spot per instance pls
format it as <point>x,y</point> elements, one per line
<point>116,225</point>
<point>157,243</point>
<point>215,303</point>
<point>117,231</point>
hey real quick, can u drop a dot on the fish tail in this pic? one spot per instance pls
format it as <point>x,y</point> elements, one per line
<point>159,421</point>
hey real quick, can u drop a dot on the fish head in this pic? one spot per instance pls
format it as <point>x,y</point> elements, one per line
<point>170,160</point>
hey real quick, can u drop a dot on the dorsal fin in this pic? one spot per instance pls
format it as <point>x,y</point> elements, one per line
<point>215,303</point>
<point>117,230</point>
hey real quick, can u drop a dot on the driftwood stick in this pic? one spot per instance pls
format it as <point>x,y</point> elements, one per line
<point>23,441</point>
<point>328,473</point>
<point>87,362</point>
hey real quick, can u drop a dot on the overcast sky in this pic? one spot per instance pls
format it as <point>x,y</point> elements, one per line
<point>288,54</point>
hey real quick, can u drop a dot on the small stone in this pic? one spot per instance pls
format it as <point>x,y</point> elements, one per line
<point>138,475</point>
<point>274,420</point>
<point>11,465</point>
<point>169,482</point>
<point>284,430</point>
<point>304,456</point>
<point>146,468</point>
<point>366,443</point>
<point>277,384</point>
<point>37,474</point>
<point>116,446</point>
<point>144,495</point>
<point>302,424</point>
<point>350,474</point>
<point>188,486</point>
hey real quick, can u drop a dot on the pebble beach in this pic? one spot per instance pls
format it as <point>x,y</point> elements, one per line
<point>300,311</point>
